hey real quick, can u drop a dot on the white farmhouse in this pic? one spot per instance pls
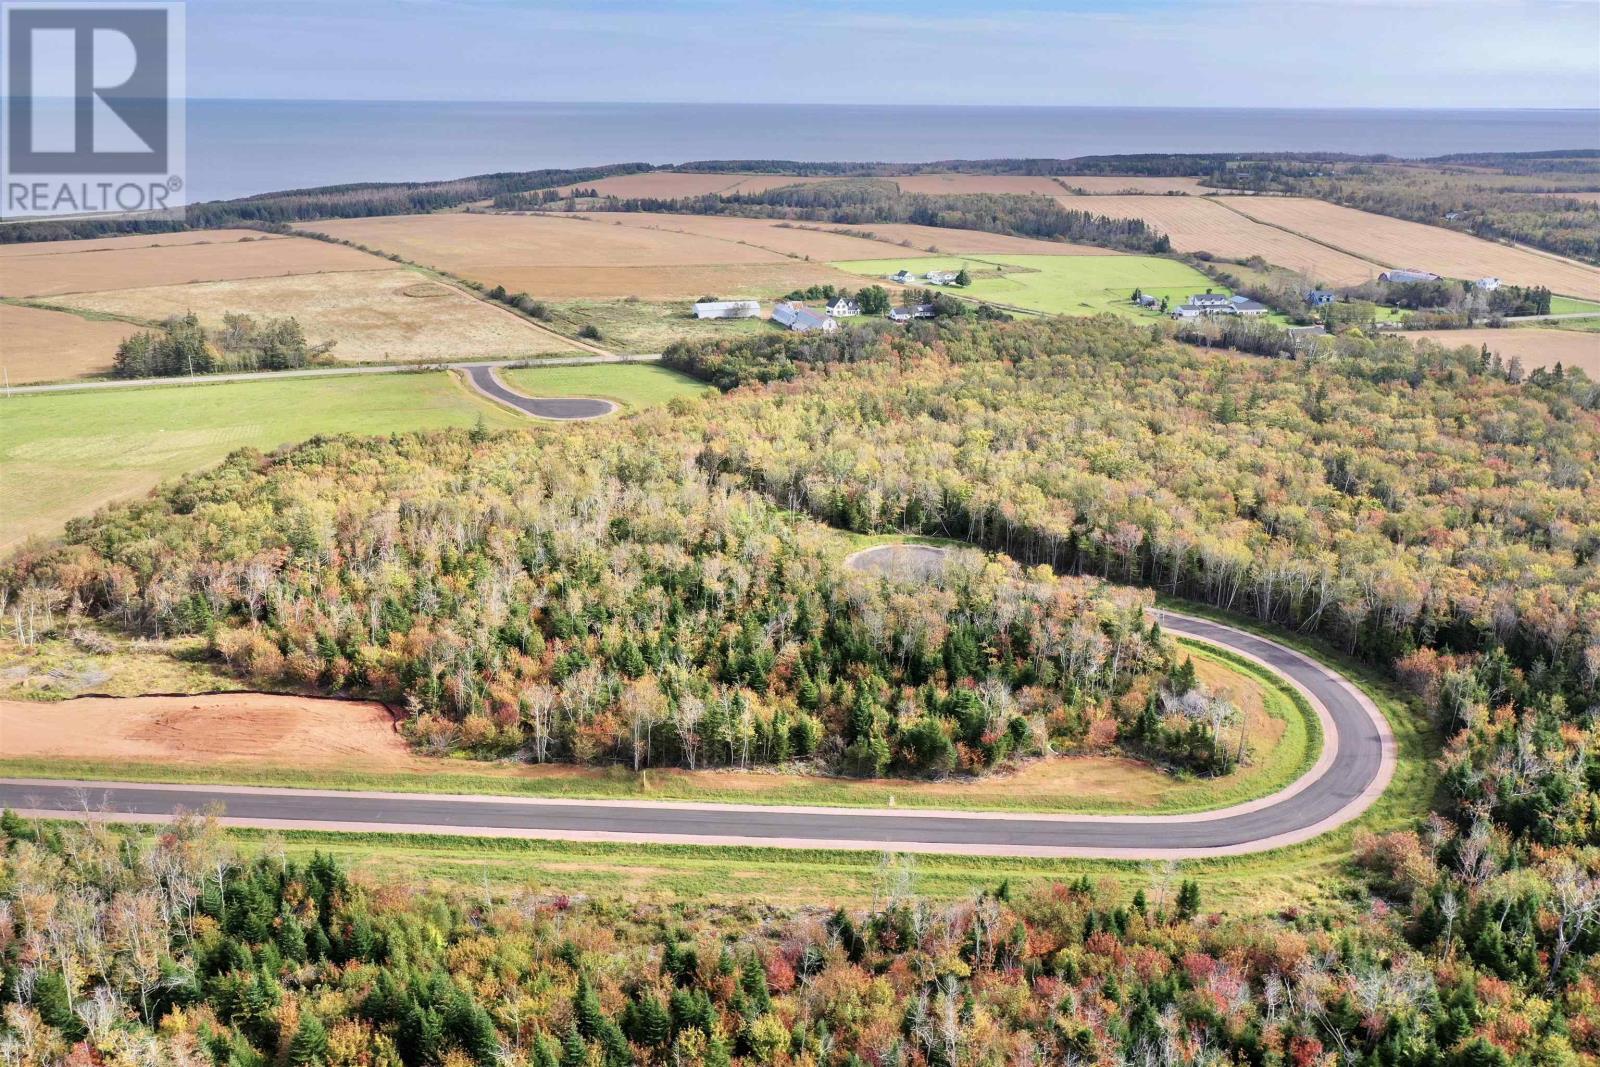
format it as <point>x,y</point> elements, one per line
<point>941,277</point>
<point>727,309</point>
<point>903,277</point>
<point>1488,285</point>
<point>842,307</point>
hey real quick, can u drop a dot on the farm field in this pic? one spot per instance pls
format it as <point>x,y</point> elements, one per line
<point>630,384</point>
<point>1201,224</point>
<point>1059,285</point>
<point>647,326</point>
<point>45,346</point>
<point>1015,184</point>
<point>1110,184</point>
<point>561,258</point>
<point>1535,346</point>
<point>804,240</point>
<point>975,242</point>
<point>66,454</point>
<point>669,184</point>
<point>371,316</point>
<point>1399,243</point>
<point>56,267</point>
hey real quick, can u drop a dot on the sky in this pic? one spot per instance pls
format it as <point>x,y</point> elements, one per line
<point>1157,53</point>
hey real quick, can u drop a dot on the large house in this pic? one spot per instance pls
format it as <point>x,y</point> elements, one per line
<point>1206,304</point>
<point>1409,274</point>
<point>941,277</point>
<point>802,320</point>
<point>727,309</point>
<point>906,314</point>
<point>1320,297</point>
<point>842,307</point>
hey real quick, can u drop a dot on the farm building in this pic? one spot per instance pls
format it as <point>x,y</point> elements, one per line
<point>906,314</point>
<point>1400,277</point>
<point>801,320</point>
<point>1147,301</point>
<point>1305,336</point>
<point>1245,306</point>
<point>1217,304</point>
<point>842,307</point>
<point>941,277</point>
<point>727,309</point>
<point>1488,285</point>
<point>903,277</point>
<point>1320,297</point>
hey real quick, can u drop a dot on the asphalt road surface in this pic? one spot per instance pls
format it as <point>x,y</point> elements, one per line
<point>484,380</point>
<point>1356,763</point>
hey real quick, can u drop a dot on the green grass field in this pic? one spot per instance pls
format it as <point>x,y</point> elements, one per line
<point>630,384</point>
<point>1570,305</point>
<point>645,326</point>
<point>1058,285</point>
<point>64,454</point>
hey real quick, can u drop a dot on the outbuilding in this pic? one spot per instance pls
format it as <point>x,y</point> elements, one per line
<point>727,309</point>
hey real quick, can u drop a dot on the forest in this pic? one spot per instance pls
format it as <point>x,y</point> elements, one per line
<point>175,949</point>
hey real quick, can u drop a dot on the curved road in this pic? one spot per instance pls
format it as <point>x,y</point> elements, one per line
<point>483,378</point>
<point>1356,764</point>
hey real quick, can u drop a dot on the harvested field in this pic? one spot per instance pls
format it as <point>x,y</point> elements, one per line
<point>1015,184</point>
<point>1104,184</point>
<point>669,184</point>
<point>1198,224</point>
<point>570,258</point>
<point>972,242</point>
<point>371,316</point>
<point>809,240</point>
<point>1412,244</point>
<point>125,262</point>
<point>284,730</point>
<point>113,244</point>
<point>45,346</point>
<point>1535,347</point>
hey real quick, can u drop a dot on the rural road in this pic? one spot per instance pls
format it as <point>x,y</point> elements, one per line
<point>483,379</point>
<point>326,372</point>
<point>1356,764</point>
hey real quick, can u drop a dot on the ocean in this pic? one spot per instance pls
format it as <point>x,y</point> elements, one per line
<point>241,147</point>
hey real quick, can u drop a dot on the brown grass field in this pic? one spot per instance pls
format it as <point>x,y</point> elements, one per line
<point>1015,184</point>
<point>805,240</point>
<point>125,262</point>
<point>668,184</point>
<point>563,258</point>
<point>1105,184</point>
<point>46,346</point>
<point>1412,244</point>
<point>371,316</point>
<point>103,244</point>
<point>972,242</point>
<point>1536,347</point>
<point>1198,224</point>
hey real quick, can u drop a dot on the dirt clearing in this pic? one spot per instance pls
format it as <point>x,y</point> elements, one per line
<point>371,316</point>
<point>1535,347</point>
<point>1413,244</point>
<point>285,730</point>
<point>62,267</point>
<point>45,346</point>
<point>1198,224</point>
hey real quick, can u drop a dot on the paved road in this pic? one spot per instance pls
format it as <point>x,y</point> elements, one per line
<point>1356,763</point>
<point>486,381</point>
<point>326,372</point>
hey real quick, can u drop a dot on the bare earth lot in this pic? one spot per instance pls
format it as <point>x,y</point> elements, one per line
<point>565,258</point>
<point>1535,347</point>
<point>1198,224</point>
<point>256,727</point>
<point>1413,244</point>
<point>373,315</point>
<point>43,346</point>
<point>52,268</point>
